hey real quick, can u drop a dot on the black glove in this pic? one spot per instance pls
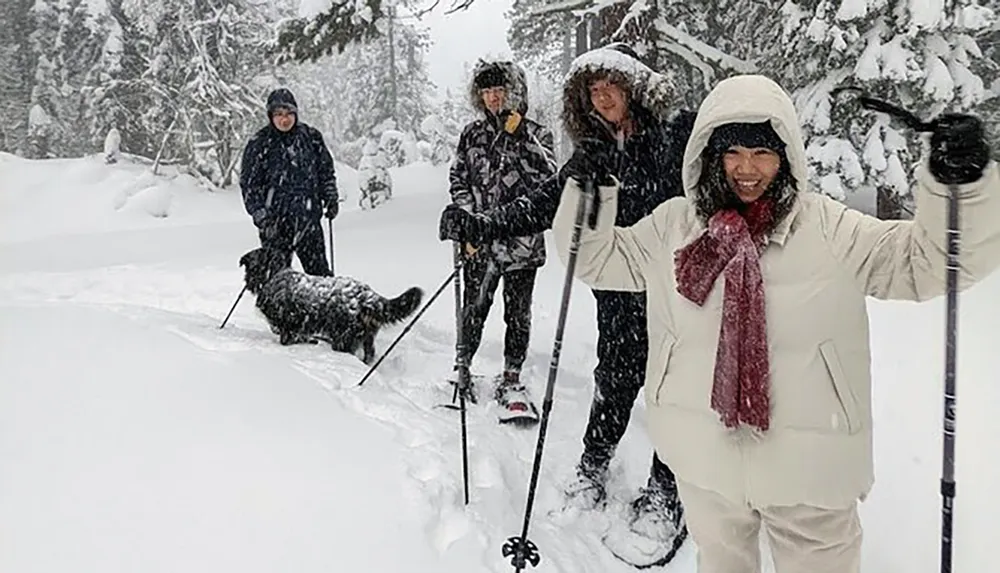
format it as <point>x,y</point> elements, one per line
<point>959,152</point>
<point>592,159</point>
<point>457,224</point>
<point>332,209</point>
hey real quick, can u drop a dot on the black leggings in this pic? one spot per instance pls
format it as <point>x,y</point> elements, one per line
<point>304,237</point>
<point>481,283</point>
<point>622,350</point>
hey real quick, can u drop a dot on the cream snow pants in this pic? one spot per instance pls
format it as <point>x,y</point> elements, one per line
<point>803,539</point>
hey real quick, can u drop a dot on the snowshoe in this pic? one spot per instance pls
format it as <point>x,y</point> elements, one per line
<point>655,530</point>
<point>513,401</point>
<point>587,491</point>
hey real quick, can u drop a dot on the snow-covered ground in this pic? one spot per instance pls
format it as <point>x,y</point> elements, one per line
<point>135,435</point>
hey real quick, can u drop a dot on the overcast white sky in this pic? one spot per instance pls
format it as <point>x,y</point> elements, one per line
<point>464,37</point>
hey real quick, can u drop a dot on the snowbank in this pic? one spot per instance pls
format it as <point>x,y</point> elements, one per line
<point>150,440</point>
<point>127,448</point>
<point>49,197</point>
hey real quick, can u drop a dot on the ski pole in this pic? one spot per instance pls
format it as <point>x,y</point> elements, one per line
<point>521,550</point>
<point>951,331</point>
<point>329,226</point>
<point>950,382</point>
<point>236,302</point>
<point>408,327</point>
<point>461,365</point>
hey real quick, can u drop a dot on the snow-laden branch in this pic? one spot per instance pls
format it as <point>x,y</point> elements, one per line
<point>561,6</point>
<point>702,50</point>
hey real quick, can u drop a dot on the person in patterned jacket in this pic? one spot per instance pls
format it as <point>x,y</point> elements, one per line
<point>500,157</point>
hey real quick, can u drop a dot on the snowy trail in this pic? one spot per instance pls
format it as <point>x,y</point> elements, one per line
<point>190,291</point>
<point>178,281</point>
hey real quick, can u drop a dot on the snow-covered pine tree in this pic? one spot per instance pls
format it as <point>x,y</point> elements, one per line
<point>64,44</point>
<point>224,36</point>
<point>45,130</point>
<point>184,90</point>
<point>80,45</point>
<point>388,79</point>
<point>16,73</point>
<point>922,54</point>
<point>344,23</point>
<point>990,44</point>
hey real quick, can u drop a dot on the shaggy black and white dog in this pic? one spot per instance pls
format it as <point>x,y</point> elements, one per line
<point>342,311</point>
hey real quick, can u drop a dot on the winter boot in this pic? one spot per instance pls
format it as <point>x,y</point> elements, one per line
<point>657,514</point>
<point>588,490</point>
<point>655,530</point>
<point>514,401</point>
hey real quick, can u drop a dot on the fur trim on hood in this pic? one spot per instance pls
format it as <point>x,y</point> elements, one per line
<point>516,84</point>
<point>650,93</point>
<point>746,99</point>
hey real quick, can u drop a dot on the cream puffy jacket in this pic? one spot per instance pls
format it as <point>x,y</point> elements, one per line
<point>820,263</point>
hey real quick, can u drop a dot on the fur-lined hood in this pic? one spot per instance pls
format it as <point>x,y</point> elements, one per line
<point>650,93</point>
<point>515,82</point>
<point>746,99</point>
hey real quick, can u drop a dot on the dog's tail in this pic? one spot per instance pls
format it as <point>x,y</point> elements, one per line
<point>396,309</point>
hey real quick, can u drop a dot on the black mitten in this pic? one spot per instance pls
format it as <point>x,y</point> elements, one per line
<point>457,224</point>
<point>590,160</point>
<point>959,152</point>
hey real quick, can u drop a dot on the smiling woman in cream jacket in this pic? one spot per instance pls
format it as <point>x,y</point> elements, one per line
<point>758,382</point>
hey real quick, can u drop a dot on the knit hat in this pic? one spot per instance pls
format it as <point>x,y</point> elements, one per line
<point>491,76</point>
<point>745,135</point>
<point>281,97</point>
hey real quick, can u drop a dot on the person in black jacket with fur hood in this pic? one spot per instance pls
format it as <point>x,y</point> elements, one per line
<point>615,109</point>
<point>288,183</point>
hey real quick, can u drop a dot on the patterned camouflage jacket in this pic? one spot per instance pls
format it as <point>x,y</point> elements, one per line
<point>493,167</point>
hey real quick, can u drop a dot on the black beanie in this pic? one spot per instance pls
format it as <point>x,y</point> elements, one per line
<point>281,97</point>
<point>745,135</point>
<point>491,76</point>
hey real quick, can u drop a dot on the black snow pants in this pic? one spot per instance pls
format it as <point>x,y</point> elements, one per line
<point>622,350</point>
<point>302,236</point>
<point>481,280</point>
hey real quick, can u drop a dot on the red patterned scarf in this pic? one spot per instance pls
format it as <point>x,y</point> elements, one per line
<point>732,243</point>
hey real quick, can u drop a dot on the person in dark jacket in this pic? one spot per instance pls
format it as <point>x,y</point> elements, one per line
<point>615,111</point>
<point>500,157</point>
<point>288,183</point>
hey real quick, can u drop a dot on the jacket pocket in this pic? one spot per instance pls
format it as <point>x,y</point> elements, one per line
<point>845,395</point>
<point>661,353</point>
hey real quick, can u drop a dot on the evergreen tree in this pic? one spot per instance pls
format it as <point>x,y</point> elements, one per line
<point>542,43</point>
<point>345,22</point>
<point>16,75</point>
<point>179,81</point>
<point>925,58</point>
<point>388,80</point>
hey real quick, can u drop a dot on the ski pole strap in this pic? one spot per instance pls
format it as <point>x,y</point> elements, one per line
<point>867,102</point>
